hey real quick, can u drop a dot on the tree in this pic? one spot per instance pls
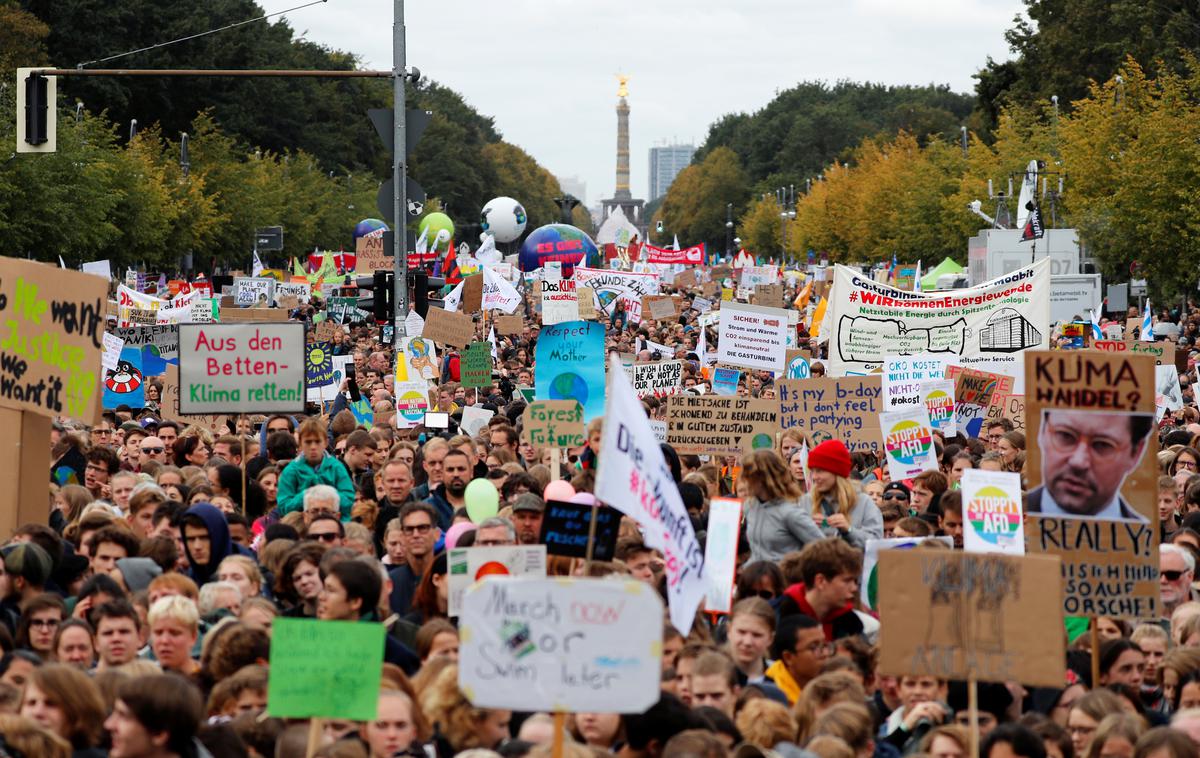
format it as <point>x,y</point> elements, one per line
<point>694,207</point>
<point>519,176</point>
<point>22,38</point>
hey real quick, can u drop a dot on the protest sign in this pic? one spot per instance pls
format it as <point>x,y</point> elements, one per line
<point>241,368</point>
<point>371,256</point>
<point>720,553</point>
<point>324,331</point>
<point>752,276</point>
<point>1163,352</point>
<point>557,645</point>
<point>302,291</point>
<point>414,324</point>
<point>685,279</point>
<point>111,351</point>
<point>509,324</point>
<point>903,375</point>
<point>658,379</point>
<point>769,295</point>
<point>416,364</point>
<point>498,294</point>
<point>669,257</point>
<point>477,365</point>
<point>125,384</point>
<point>799,364</point>
<point>869,582</point>
<point>753,337</point>
<point>609,286</point>
<point>474,419</point>
<point>846,409</point>
<point>560,302</point>
<point>701,305</point>
<point>659,307</point>
<point>1168,396</point>
<point>447,328</point>
<point>938,398</point>
<point>52,334</point>
<point>908,442</point>
<point>1092,473</point>
<point>991,512</point>
<point>553,423</point>
<point>725,380</point>
<point>951,615</point>
<point>565,529</point>
<point>318,367</point>
<point>720,425</point>
<point>97,268</point>
<point>587,303</point>
<point>633,476</point>
<point>569,365</point>
<point>992,324</point>
<point>253,315</point>
<point>472,294</point>
<point>468,565</point>
<point>254,291</point>
<point>325,669</point>
<point>973,393</point>
<point>1011,407</point>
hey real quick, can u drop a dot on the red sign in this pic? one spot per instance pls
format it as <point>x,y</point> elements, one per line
<point>688,255</point>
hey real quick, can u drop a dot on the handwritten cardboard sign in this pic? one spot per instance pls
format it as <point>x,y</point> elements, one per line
<point>973,393</point>
<point>472,299</point>
<point>51,335</point>
<point>845,408</point>
<point>468,565</point>
<point>573,644</point>
<point>253,315</point>
<point>565,529</point>
<point>241,368</point>
<point>371,256</point>
<point>447,328</point>
<point>325,669</point>
<point>553,423</point>
<point>955,615</point>
<point>1163,352</point>
<point>509,324</point>
<point>660,307</point>
<point>659,379</point>
<point>1011,407</point>
<point>1092,472</point>
<point>769,295</point>
<point>587,303</point>
<point>477,365</point>
<point>720,425</point>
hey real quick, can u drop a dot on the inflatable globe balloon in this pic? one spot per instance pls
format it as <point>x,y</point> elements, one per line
<point>558,242</point>
<point>369,226</point>
<point>432,226</point>
<point>503,218</point>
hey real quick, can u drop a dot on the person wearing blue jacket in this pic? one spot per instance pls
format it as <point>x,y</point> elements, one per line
<point>314,466</point>
<point>206,541</point>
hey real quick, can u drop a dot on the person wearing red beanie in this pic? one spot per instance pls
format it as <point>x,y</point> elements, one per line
<point>838,506</point>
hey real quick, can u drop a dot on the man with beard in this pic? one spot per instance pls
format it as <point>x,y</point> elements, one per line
<point>456,474</point>
<point>528,510</point>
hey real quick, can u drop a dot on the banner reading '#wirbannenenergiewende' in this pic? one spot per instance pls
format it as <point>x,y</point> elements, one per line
<point>989,326</point>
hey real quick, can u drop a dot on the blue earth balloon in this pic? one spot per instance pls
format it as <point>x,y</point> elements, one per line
<point>558,242</point>
<point>367,226</point>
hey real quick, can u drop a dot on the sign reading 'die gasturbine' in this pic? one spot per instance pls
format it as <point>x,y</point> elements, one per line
<point>241,368</point>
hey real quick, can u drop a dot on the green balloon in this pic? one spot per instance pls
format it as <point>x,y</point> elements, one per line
<point>483,501</point>
<point>434,223</point>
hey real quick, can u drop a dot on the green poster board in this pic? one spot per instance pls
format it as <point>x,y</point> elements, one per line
<point>325,669</point>
<point>477,365</point>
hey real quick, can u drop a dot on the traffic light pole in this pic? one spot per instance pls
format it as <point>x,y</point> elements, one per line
<point>399,174</point>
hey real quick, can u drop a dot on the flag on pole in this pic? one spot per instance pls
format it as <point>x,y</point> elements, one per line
<point>258,266</point>
<point>702,348</point>
<point>1097,334</point>
<point>492,339</point>
<point>892,270</point>
<point>676,243</point>
<point>1147,323</point>
<point>60,262</point>
<point>917,278</point>
<point>637,481</point>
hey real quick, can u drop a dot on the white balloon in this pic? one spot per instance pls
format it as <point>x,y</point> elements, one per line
<point>503,218</point>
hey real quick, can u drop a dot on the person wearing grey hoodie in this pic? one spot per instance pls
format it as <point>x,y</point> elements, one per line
<point>775,523</point>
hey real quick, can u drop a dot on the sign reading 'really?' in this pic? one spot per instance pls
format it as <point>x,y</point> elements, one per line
<point>241,368</point>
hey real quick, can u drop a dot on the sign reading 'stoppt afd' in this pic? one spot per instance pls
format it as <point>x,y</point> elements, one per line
<point>241,368</point>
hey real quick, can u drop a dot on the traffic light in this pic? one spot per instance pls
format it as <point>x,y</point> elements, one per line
<point>37,116</point>
<point>420,286</point>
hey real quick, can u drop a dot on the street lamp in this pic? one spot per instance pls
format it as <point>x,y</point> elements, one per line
<point>785,199</point>
<point>728,230</point>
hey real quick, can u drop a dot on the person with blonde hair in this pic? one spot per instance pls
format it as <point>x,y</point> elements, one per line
<point>822,693</point>
<point>174,627</point>
<point>750,632</point>
<point>851,723</point>
<point>836,504</point>
<point>243,573</point>
<point>767,724</point>
<point>394,728</point>
<point>775,523</point>
<point>1117,734</point>
<point>31,739</point>
<point>946,741</point>
<point>459,724</point>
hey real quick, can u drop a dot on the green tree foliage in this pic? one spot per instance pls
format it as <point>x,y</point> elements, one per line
<point>22,38</point>
<point>694,208</point>
<point>519,175</point>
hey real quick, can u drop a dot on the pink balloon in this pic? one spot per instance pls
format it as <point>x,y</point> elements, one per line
<point>456,531</point>
<point>583,498</point>
<point>559,490</point>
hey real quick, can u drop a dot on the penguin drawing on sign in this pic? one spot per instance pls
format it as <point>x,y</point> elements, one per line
<point>124,378</point>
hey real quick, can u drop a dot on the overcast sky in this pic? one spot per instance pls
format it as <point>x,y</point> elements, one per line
<point>545,69</point>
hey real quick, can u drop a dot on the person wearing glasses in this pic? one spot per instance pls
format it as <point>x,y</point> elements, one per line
<point>326,529</point>
<point>1085,458</point>
<point>152,449</point>
<point>1176,568</point>
<point>418,526</point>
<point>799,650</point>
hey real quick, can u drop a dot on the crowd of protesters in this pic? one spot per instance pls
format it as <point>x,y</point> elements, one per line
<point>137,620</point>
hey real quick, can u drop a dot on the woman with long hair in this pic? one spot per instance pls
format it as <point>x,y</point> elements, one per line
<point>432,596</point>
<point>299,581</point>
<point>70,500</point>
<point>458,724</point>
<point>750,632</point>
<point>837,506</point>
<point>66,701</point>
<point>775,523</point>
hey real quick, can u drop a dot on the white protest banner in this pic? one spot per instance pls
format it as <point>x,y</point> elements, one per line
<point>634,478</point>
<point>908,442</point>
<point>1168,396</point>
<point>111,351</point>
<point>752,336</point>
<point>99,268</point>
<point>241,368</point>
<point>902,377</point>
<point>591,645</point>
<point>665,256</point>
<point>468,565</point>
<point>164,338</point>
<point>474,419</point>
<point>992,324</point>
<point>658,379</point>
<point>701,305</point>
<point>607,286</point>
<point>720,553</point>
<point>992,512</point>
<point>302,291</point>
<point>938,398</point>
<point>414,325</point>
<point>203,310</point>
<point>498,294</point>
<point>254,291</point>
<point>560,302</point>
<point>752,276</point>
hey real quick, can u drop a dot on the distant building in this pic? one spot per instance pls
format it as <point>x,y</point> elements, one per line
<point>665,164</point>
<point>573,185</point>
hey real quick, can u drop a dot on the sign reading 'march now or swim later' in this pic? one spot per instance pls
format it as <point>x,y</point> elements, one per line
<point>987,327</point>
<point>570,365</point>
<point>241,368</point>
